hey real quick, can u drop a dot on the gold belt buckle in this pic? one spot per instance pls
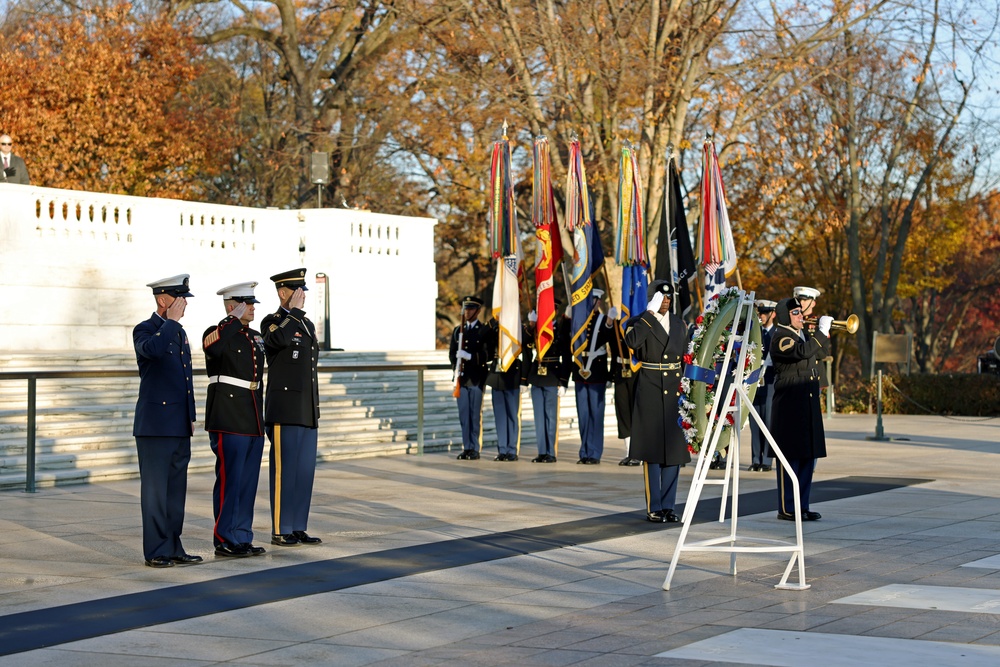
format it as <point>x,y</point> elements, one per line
<point>254,385</point>
<point>626,372</point>
<point>542,370</point>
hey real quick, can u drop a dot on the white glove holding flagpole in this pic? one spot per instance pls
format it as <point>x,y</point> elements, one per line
<point>532,317</point>
<point>655,303</point>
<point>462,354</point>
<point>613,313</point>
<point>824,325</point>
<point>561,391</point>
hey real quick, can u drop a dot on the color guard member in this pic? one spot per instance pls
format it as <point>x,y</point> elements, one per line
<point>548,378</point>
<point>507,386</point>
<point>590,382</point>
<point>468,353</point>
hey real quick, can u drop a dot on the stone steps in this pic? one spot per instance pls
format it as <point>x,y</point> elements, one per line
<point>84,425</point>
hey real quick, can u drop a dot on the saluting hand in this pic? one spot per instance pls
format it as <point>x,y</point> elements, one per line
<point>298,299</point>
<point>239,310</point>
<point>175,311</point>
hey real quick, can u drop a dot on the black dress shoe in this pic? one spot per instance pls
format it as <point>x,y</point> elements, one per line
<point>539,459</point>
<point>754,468</point>
<point>512,457</point>
<point>764,468</point>
<point>656,517</point>
<point>786,516</point>
<point>473,455</point>
<point>464,456</point>
<point>549,458</point>
<point>581,461</point>
<point>670,517</point>
<point>811,516</point>
<point>186,559</point>
<point>159,561</point>
<point>252,550</point>
<point>231,551</point>
<point>591,461</point>
<point>500,457</point>
<point>629,461</point>
<point>285,540</point>
<point>304,537</point>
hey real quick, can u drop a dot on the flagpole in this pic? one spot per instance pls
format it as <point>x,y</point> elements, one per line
<point>618,329</point>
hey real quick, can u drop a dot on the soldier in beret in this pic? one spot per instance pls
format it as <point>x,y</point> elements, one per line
<point>759,448</point>
<point>164,422</point>
<point>234,410</point>
<point>659,340</point>
<point>548,377</point>
<point>469,353</point>
<point>291,409</point>
<point>796,416</point>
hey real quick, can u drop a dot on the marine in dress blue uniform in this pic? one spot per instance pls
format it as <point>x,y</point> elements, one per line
<point>164,422</point>
<point>590,383</point>
<point>797,418</point>
<point>760,450</point>
<point>659,340</point>
<point>469,346</point>
<point>548,378</point>
<point>291,409</point>
<point>234,419</point>
<point>507,386</point>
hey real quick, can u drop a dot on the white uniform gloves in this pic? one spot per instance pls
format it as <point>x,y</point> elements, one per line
<point>824,324</point>
<point>655,303</point>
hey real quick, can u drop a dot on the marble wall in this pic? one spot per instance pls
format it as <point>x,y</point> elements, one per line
<point>73,267</point>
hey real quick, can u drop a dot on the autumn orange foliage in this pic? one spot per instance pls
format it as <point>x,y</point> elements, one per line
<point>97,101</point>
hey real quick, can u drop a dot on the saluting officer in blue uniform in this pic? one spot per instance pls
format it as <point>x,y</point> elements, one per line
<point>548,378</point>
<point>507,386</point>
<point>234,419</point>
<point>164,423</point>
<point>468,354</point>
<point>291,409</point>
<point>590,382</point>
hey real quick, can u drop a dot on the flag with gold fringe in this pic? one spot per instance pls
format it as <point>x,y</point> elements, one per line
<point>630,242</point>
<point>505,245</point>
<point>716,249</point>
<point>549,251</point>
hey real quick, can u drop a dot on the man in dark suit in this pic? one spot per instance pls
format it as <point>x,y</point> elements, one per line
<point>659,339</point>
<point>469,354</point>
<point>164,423</point>
<point>760,454</point>
<point>590,381</point>
<point>234,410</point>
<point>291,409</point>
<point>12,168</point>
<point>548,377</point>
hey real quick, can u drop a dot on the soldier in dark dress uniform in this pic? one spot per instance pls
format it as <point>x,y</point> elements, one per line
<point>760,456</point>
<point>507,386</point>
<point>234,419</point>
<point>797,419</point>
<point>548,378</point>
<point>291,409</point>
<point>468,353</point>
<point>164,423</point>
<point>659,340</point>
<point>591,382</point>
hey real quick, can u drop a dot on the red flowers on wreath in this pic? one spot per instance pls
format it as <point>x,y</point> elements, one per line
<point>699,319</point>
<point>688,359</point>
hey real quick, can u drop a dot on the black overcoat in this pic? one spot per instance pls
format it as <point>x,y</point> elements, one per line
<point>796,416</point>
<point>656,434</point>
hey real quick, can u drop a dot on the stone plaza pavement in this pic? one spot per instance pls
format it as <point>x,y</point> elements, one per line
<point>431,561</point>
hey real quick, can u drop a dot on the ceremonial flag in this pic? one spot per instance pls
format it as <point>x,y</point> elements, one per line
<point>506,248</point>
<point>716,249</point>
<point>630,242</point>
<point>588,254</point>
<point>674,257</point>
<point>549,252</point>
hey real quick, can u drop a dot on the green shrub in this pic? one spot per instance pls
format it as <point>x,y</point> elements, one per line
<point>968,395</point>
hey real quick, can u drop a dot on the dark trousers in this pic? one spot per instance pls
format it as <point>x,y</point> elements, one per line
<point>292,468</point>
<point>759,447</point>
<point>237,471</point>
<point>163,464</point>
<point>590,411</point>
<point>803,471</point>
<point>661,486</point>
<point>507,414</point>
<point>545,401</point>
<point>470,416</point>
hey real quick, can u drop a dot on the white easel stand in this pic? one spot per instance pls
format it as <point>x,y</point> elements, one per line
<point>729,544</point>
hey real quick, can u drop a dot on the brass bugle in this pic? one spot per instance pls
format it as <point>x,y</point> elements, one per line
<point>850,325</point>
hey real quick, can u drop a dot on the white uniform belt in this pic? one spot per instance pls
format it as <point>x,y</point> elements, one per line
<point>236,382</point>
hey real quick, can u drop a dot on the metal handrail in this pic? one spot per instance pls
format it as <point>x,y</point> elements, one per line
<point>33,376</point>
